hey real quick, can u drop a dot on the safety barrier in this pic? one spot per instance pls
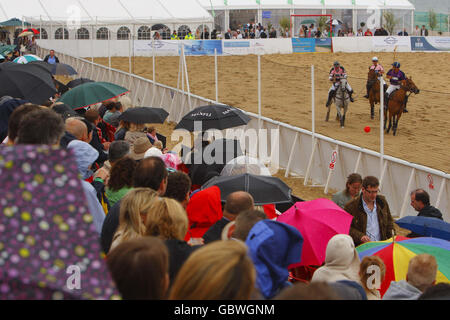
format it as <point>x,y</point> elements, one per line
<point>322,161</point>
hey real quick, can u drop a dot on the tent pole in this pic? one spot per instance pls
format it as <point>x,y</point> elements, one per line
<point>381,125</point>
<point>154,67</point>
<point>216,75</point>
<point>259,92</point>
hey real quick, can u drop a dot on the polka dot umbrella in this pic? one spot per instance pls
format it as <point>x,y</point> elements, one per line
<point>49,247</point>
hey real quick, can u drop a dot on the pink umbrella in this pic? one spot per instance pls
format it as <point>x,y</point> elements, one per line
<point>318,221</point>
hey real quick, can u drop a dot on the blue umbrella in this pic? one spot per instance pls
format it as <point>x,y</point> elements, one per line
<point>426,226</point>
<point>62,69</point>
<point>2,57</point>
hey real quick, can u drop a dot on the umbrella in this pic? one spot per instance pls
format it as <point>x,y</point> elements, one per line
<point>318,221</point>
<point>308,21</point>
<point>426,226</point>
<point>62,69</point>
<point>245,164</point>
<point>144,115</point>
<point>25,34</point>
<point>396,255</point>
<point>2,57</point>
<point>27,58</point>
<point>213,117</point>
<point>91,93</point>
<point>4,50</point>
<point>35,31</point>
<point>29,82</point>
<point>77,82</point>
<point>265,190</point>
<point>47,235</point>
<point>335,22</point>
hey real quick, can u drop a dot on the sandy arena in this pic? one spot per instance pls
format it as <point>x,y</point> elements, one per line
<point>423,133</point>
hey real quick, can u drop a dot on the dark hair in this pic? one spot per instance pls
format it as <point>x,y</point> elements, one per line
<point>43,126</point>
<point>178,186</point>
<point>17,116</point>
<point>310,291</point>
<point>422,196</point>
<point>238,201</point>
<point>370,181</point>
<point>353,178</point>
<point>47,104</point>
<point>92,115</point>
<point>138,267</point>
<point>440,291</point>
<point>245,221</point>
<point>150,172</point>
<point>89,125</point>
<point>122,174</point>
<point>118,149</point>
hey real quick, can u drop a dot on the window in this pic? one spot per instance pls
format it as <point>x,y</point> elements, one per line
<point>83,34</point>
<point>102,33</point>
<point>163,31</point>
<point>61,33</point>
<point>42,34</point>
<point>144,33</point>
<point>182,31</point>
<point>123,33</point>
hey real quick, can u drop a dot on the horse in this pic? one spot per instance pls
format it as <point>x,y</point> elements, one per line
<point>374,92</point>
<point>341,100</point>
<point>397,103</point>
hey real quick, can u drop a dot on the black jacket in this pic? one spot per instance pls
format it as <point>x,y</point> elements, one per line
<point>215,231</point>
<point>48,56</point>
<point>110,225</point>
<point>179,251</point>
<point>430,211</point>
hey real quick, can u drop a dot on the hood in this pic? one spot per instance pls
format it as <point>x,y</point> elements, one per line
<point>204,209</point>
<point>341,261</point>
<point>430,211</point>
<point>402,290</point>
<point>273,246</point>
<point>349,290</point>
<point>85,156</point>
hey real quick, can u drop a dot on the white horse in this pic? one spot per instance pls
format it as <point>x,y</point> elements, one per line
<point>341,100</point>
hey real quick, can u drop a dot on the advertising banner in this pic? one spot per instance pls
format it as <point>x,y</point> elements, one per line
<point>323,44</point>
<point>430,43</point>
<point>389,43</point>
<point>162,47</point>
<point>300,45</point>
<point>257,46</point>
<point>202,47</point>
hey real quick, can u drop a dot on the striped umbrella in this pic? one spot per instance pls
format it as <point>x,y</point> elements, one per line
<point>397,254</point>
<point>27,58</point>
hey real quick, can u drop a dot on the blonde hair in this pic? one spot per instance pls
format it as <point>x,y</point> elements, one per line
<point>364,273</point>
<point>166,219</point>
<point>126,102</point>
<point>139,127</point>
<point>158,144</point>
<point>422,270</point>
<point>221,270</point>
<point>133,206</point>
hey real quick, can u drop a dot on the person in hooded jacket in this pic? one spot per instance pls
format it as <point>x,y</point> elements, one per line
<point>273,246</point>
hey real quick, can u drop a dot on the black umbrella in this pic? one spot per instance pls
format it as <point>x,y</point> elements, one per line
<point>28,81</point>
<point>77,82</point>
<point>144,115</point>
<point>61,87</point>
<point>62,69</point>
<point>214,117</point>
<point>264,189</point>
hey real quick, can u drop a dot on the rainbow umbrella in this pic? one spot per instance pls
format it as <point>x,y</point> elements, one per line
<point>397,254</point>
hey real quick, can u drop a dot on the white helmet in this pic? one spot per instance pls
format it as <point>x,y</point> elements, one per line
<point>375,59</point>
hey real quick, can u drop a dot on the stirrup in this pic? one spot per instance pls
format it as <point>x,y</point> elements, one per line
<point>366,96</point>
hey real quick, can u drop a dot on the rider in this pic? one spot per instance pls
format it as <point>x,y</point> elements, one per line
<point>395,75</point>
<point>379,70</point>
<point>336,73</point>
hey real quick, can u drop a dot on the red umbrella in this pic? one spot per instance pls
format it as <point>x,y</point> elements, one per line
<point>35,31</point>
<point>318,221</point>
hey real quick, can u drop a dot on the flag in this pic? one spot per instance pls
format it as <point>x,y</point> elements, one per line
<point>258,1</point>
<point>354,2</point>
<point>290,2</point>
<point>225,2</point>
<point>322,2</point>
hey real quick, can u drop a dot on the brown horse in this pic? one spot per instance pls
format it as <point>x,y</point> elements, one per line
<point>374,92</point>
<point>397,103</point>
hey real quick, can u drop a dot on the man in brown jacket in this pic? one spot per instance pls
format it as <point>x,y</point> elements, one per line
<point>372,220</point>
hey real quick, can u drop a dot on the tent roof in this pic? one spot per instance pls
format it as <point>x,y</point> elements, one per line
<point>106,11</point>
<point>305,4</point>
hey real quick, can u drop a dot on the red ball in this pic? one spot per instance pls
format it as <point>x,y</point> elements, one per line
<point>367,129</point>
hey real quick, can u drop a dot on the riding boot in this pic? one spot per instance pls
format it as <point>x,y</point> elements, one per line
<point>330,97</point>
<point>350,95</point>
<point>406,101</point>
<point>386,101</point>
<point>368,86</point>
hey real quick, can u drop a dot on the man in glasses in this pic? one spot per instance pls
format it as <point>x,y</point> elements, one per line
<point>372,220</point>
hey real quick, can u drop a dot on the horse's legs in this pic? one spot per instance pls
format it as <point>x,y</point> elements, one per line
<point>390,123</point>
<point>396,123</point>
<point>372,109</point>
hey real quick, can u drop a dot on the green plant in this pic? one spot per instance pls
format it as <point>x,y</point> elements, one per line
<point>432,19</point>
<point>322,22</point>
<point>389,21</point>
<point>284,22</point>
